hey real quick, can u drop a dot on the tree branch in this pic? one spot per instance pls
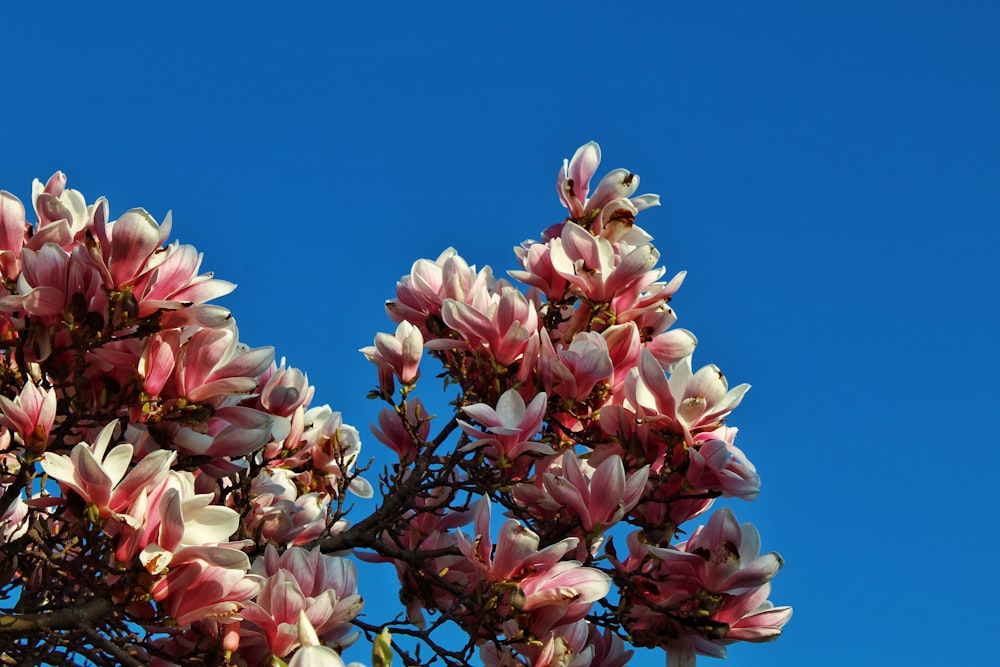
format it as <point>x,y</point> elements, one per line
<point>68,618</point>
<point>363,533</point>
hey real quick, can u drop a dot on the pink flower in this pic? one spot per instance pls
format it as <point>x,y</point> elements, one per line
<point>670,347</point>
<point>562,593</point>
<point>503,327</point>
<point>599,269</point>
<point>516,552</point>
<point>419,295</point>
<point>624,347</point>
<point>400,352</point>
<point>392,432</point>
<point>717,464</point>
<point>329,449</point>
<point>13,233</point>
<point>555,591</point>
<point>609,649</point>
<point>611,208</point>
<point>322,587</point>
<point>50,276</point>
<point>285,390</point>
<point>171,517</point>
<point>134,238</point>
<point>703,398</point>
<point>574,371</point>
<point>312,653</point>
<point>704,593</point>
<point>206,582</point>
<point>30,415</point>
<point>231,431</point>
<point>102,478</point>
<point>12,521</point>
<point>509,428</point>
<point>62,213</point>
<point>564,646</point>
<point>130,253</point>
<point>156,365</point>
<point>573,183</point>
<point>211,364</point>
<point>598,496</point>
<point>280,515</point>
<point>175,284</point>
<point>538,272</point>
<point>695,402</point>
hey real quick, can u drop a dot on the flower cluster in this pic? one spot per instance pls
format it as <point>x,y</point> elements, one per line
<point>579,410</point>
<point>145,448</point>
<point>171,496</point>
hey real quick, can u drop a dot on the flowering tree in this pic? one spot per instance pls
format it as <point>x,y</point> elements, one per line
<point>170,496</point>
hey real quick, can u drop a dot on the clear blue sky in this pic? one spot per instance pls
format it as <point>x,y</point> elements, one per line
<point>830,175</point>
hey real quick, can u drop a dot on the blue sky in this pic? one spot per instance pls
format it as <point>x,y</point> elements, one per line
<point>829,175</point>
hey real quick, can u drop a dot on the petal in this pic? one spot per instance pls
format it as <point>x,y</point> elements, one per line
<point>13,225</point>
<point>149,472</point>
<point>361,487</point>
<point>95,483</point>
<point>61,468</point>
<point>116,463</point>
<point>515,546</point>
<point>758,572</point>
<point>134,237</point>
<point>209,525</point>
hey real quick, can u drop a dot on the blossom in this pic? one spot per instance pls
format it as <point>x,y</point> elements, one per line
<point>206,582</point>
<point>717,464</point>
<point>171,517</point>
<point>510,427</point>
<point>611,207</point>
<point>574,371</point>
<point>280,515</point>
<point>102,477</point>
<point>399,352</point>
<point>312,653</point>
<point>13,233</point>
<point>130,255</point>
<point>420,294</point>
<point>332,449</point>
<point>517,548</point>
<point>537,270</point>
<point>565,646</point>
<point>704,593</point>
<point>299,581</point>
<point>284,389</point>
<point>12,520</point>
<point>50,277</point>
<point>599,269</point>
<point>31,414</point>
<point>695,402</point>
<point>672,346</point>
<point>62,212</point>
<point>555,591</point>
<point>599,496</point>
<point>211,364</point>
<point>503,327</point>
<point>394,434</point>
<point>175,284</point>
<point>230,431</point>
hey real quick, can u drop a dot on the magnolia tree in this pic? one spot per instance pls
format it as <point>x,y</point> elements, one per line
<point>171,496</point>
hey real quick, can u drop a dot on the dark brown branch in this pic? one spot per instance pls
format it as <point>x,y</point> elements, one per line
<point>363,533</point>
<point>109,647</point>
<point>68,618</point>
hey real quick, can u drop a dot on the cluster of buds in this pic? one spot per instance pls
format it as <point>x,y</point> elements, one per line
<point>579,410</point>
